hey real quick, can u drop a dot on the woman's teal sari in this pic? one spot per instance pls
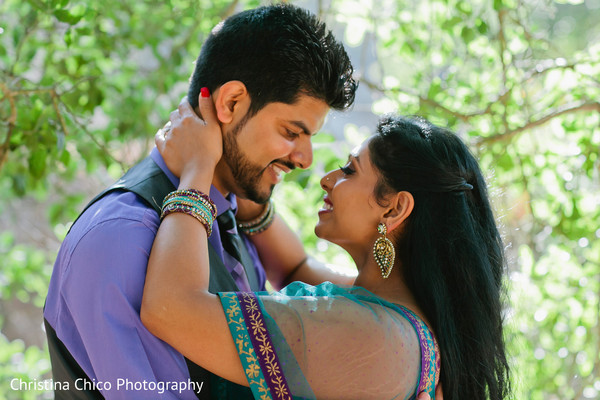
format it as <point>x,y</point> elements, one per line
<point>327,342</point>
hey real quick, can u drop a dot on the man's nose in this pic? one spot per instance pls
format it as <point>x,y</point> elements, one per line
<point>302,154</point>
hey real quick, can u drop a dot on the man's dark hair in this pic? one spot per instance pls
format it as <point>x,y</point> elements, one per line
<point>279,52</point>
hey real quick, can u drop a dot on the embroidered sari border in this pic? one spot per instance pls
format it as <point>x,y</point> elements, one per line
<point>263,345</point>
<point>430,360</point>
<point>262,366</point>
<point>243,343</point>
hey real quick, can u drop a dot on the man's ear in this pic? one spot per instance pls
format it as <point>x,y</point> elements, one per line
<point>231,99</point>
<point>400,207</point>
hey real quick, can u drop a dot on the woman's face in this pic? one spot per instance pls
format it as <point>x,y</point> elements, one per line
<point>350,214</point>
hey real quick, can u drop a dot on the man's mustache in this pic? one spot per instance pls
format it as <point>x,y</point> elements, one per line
<point>288,164</point>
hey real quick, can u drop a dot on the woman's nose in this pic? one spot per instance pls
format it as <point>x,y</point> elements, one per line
<point>327,181</point>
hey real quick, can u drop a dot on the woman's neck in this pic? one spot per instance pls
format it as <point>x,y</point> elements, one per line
<point>392,289</point>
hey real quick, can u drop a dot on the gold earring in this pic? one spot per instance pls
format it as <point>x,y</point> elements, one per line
<point>384,252</point>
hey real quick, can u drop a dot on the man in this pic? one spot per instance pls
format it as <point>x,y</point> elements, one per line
<point>274,73</point>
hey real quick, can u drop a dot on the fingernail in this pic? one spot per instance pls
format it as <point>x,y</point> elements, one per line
<point>204,92</point>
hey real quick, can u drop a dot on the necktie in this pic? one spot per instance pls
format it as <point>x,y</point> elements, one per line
<point>232,244</point>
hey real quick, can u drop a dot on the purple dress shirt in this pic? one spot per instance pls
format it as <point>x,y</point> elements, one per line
<point>95,294</point>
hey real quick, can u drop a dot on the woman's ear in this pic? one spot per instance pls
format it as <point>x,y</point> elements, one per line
<point>400,207</point>
<point>231,99</point>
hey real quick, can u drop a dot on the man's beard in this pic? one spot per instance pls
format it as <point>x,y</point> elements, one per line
<point>246,174</point>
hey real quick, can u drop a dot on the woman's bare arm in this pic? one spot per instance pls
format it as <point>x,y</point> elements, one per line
<point>176,305</point>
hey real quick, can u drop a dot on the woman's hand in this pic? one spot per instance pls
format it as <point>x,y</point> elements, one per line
<point>190,146</point>
<point>438,394</point>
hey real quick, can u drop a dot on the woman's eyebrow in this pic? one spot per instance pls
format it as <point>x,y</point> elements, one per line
<point>355,158</point>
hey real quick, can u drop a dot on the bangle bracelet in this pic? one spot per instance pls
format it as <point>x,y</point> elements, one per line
<point>194,196</point>
<point>260,223</point>
<point>204,219</point>
<point>257,220</point>
<point>191,202</point>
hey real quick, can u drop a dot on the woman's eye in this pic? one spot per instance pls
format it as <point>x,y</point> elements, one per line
<point>346,169</point>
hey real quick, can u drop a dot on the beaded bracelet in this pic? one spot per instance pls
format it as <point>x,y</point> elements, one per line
<point>192,195</point>
<point>260,223</point>
<point>191,202</point>
<point>199,206</point>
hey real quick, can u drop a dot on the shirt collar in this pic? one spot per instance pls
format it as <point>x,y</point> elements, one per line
<point>223,203</point>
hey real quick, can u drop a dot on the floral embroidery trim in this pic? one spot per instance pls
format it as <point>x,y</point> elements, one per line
<point>256,351</point>
<point>430,354</point>
<point>240,334</point>
<point>264,349</point>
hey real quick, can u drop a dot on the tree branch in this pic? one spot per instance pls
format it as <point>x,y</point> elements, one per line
<point>568,109</point>
<point>502,41</point>
<point>30,91</point>
<point>229,10</point>
<point>531,37</point>
<point>544,67</point>
<point>58,113</point>
<point>422,100</point>
<point>28,31</point>
<point>91,136</point>
<point>56,103</point>
<point>12,119</point>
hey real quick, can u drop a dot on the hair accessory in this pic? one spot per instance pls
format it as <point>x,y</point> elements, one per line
<point>260,223</point>
<point>191,202</point>
<point>464,185</point>
<point>384,252</point>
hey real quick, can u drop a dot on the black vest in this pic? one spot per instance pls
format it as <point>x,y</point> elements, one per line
<point>149,182</point>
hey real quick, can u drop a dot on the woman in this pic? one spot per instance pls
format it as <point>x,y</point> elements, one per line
<point>411,209</point>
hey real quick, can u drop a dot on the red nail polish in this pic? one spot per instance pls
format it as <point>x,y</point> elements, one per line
<point>204,92</point>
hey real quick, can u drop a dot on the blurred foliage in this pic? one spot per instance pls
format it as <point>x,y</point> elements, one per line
<point>84,85</point>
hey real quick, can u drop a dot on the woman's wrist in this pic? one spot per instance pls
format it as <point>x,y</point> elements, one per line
<point>199,178</point>
<point>192,202</point>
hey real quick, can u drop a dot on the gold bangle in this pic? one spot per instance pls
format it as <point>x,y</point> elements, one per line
<point>259,224</point>
<point>257,220</point>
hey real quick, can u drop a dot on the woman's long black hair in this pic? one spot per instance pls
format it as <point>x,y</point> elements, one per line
<point>450,250</point>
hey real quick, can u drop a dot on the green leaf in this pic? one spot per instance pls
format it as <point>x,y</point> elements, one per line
<point>68,37</point>
<point>482,27</point>
<point>39,4</point>
<point>37,162</point>
<point>467,34</point>
<point>65,16</point>
<point>465,7</point>
<point>450,23</point>
<point>506,161</point>
<point>300,176</point>
<point>30,18</point>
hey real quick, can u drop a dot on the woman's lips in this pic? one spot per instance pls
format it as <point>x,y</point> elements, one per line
<point>327,206</point>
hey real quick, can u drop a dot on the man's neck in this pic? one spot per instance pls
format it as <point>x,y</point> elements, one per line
<point>222,172</point>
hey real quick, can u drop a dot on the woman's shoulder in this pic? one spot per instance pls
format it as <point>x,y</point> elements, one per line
<point>368,343</point>
<point>408,335</point>
<point>430,356</point>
